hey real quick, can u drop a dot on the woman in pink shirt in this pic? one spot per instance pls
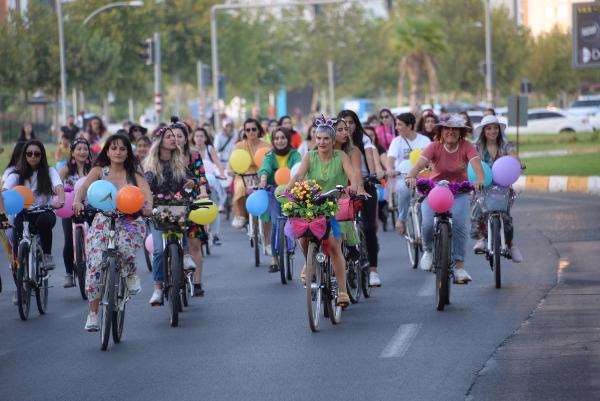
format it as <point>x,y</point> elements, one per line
<point>386,132</point>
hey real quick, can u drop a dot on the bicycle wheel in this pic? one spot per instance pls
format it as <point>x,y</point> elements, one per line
<point>175,267</point>
<point>41,288</point>
<point>393,210</point>
<point>80,266</point>
<point>148,255</point>
<point>282,249</point>
<point>411,241</point>
<point>118,320</point>
<point>23,286</point>
<point>289,265</point>
<point>363,264</point>
<point>107,304</point>
<point>353,279</point>
<point>255,239</point>
<point>496,251</point>
<point>330,291</point>
<point>313,287</point>
<point>442,294</point>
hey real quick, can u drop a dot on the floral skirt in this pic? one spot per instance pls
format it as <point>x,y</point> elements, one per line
<point>130,237</point>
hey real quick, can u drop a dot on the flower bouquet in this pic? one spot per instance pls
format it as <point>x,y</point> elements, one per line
<point>308,209</point>
<point>171,210</point>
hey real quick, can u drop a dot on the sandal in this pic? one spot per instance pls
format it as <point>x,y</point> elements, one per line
<point>400,228</point>
<point>343,300</point>
<point>273,268</point>
<point>303,275</point>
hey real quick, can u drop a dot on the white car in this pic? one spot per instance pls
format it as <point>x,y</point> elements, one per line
<point>587,106</point>
<point>545,121</point>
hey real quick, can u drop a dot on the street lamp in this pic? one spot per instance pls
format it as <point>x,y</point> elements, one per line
<point>489,84</point>
<point>134,3</point>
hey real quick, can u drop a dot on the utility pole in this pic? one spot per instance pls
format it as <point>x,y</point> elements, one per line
<point>489,83</point>
<point>331,81</point>
<point>157,79</point>
<point>63,69</point>
<point>201,91</point>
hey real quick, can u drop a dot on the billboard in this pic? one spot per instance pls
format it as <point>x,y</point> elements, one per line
<point>586,35</point>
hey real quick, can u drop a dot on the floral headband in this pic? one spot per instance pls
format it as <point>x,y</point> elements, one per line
<point>323,122</point>
<point>77,141</point>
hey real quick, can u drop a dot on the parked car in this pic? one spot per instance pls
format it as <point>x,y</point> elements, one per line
<point>552,121</point>
<point>587,106</point>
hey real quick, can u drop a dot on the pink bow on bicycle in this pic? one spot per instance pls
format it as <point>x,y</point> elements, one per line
<point>318,226</point>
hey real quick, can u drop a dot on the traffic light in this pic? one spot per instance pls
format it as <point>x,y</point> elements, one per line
<point>146,51</point>
<point>317,9</point>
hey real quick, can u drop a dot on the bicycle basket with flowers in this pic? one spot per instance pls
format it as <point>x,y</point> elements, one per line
<point>171,211</point>
<point>308,210</point>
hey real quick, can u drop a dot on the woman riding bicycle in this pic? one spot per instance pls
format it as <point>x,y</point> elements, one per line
<point>33,172</point>
<point>329,167</point>
<point>116,164</point>
<point>449,155</point>
<point>400,150</point>
<point>491,146</point>
<point>282,155</point>
<point>78,166</point>
<point>366,160</point>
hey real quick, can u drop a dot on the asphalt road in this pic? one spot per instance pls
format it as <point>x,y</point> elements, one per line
<point>248,339</point>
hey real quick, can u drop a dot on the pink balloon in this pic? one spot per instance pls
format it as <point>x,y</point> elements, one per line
<point>149,244</point>
<point>440,199</point>
<point>506,171</point>
<point>67,210</point>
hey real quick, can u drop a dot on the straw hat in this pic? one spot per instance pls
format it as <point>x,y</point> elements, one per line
<point>488,120</point>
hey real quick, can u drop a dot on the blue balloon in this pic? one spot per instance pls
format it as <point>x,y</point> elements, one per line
<point>60,164</point>
<point>13,202</point>
<point>487,171</point>
<point>102,195</point>
<point>258,202</point>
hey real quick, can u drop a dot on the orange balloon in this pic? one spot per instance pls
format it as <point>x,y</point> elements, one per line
<point>282,176</point>
<point>130,199</point>
<point>259,156</point>
<point>27,195</point>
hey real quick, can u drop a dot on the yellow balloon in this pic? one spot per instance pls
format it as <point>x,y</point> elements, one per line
<point>240,161</point>
<point>414,156</point>
<point>204,215</point>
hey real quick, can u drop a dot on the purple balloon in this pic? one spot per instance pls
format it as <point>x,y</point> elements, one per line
<point>506,171</point>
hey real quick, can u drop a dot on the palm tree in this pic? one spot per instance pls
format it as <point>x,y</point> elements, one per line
<point>417,40</point>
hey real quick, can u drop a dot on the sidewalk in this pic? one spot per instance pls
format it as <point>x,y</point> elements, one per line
<point>554,183</point>
<point>555,354</point>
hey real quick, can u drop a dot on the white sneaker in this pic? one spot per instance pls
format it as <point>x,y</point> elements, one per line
<point>480,246</point>
<point>133,284</point>
<point>157,298</point>
<point>427,261</point>
<point>461,276</point>
<point>268,251</point>
<point>374,280</point>
<point>515,254</point>
<point>91,324</point>
<point>188,262</point>
<point>238,222</point>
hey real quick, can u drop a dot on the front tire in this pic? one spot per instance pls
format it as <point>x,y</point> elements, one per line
<point>255,240</point>
<point>119,314</point>
<point>80,265</point>
<point>23,285</point>
<point>443,268</point>
<point>496,257</point>
<point>148,255</point>
<point>412,244</point>
<point>41,289</point>
<point>314,299</point>
<point>176,269</point>
<point>283,255</point>
<point>107,305</point>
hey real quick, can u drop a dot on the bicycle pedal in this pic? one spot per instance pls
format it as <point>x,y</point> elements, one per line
<point>480,252</point>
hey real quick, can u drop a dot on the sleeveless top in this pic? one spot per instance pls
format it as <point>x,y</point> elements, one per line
<point>106,171</point>
<point>329,174</point>
<point>244,145</point>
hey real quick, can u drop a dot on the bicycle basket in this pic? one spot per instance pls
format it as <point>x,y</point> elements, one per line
<point>496,199</point>
<point>170,217</point>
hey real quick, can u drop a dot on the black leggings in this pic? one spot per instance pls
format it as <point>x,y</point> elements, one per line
<point>68,248</point>
<point>369,216</point>
<point>43,222</point>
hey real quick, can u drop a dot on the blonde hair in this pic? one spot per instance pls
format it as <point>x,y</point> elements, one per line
<point>153,165</point>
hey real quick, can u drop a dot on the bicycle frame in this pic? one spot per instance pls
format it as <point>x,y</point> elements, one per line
<point>503,247</point>
<point>438,220</point>
<point>112,251</point>
<point>174,237</point>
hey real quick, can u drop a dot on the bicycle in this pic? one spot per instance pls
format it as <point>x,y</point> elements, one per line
<point>495,203</point>
<point>254,227</point>
<point>392,203</point>
<point>31,274</point>
<point>81,224</point>
<point>148,255</point>
<point>357,266</point>
<point>285,246</point>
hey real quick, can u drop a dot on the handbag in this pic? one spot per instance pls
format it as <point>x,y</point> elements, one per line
<point>347,208</point>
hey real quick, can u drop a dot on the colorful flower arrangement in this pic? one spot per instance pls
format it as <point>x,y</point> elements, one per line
<point>424,185</point>
<point>307,202</point>
<point>171,209</point>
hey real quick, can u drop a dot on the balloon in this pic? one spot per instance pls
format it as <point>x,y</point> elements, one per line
<point>204,215</point>
<point>440,199</point>
<point>102,195</point>
<point>78,184</point>
<point>258,202</point>
<point>60,164</point>
<point>294,169</point>
<point>13,202</point>
<point>405,166</point>
<point>96,148</point>
<point>130,199</point>
<point>240,161</point>
<point>27,195</point>
<point>414,155</point>
<point>278,192</point>
<point>149,244</point>
<point>282,176</point>
<point>506,171</point>
<point>259,156</point>
<point>67,210</point>
<point>487,172</point>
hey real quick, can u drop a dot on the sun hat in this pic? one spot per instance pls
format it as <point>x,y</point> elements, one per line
<point>452,121</point>
<point>488,120</point>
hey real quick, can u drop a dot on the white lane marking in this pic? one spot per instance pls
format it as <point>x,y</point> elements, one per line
<point>399,344</point>
<point>428,287</point>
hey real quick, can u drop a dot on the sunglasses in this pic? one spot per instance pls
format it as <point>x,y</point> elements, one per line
<point>33,154</point>
<point>253,129</point>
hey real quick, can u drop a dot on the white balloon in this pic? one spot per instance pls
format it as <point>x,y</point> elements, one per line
<point>405,166</point>
<point>294,169</point>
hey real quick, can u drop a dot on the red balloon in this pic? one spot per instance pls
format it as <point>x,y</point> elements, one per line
<point>440,199</point>
<point>130,199</point>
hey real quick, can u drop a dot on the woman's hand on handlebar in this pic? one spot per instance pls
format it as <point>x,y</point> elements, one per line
<point>478,186</point>
<point>77,208</point>
<point>410,182</point>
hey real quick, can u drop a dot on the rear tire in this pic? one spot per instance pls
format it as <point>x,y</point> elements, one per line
<point>107,305</point>
<point>176,276</point>
<point>411,241</point>
<point>353,280</point>
<point>364,268</point>
<point>119,313</point>
<point>148,255</point>
<point>255,241</point>
<point>283,255</point>
<point>80,264</point>
<point>393,211</point>
<point>443,268</point>
<point>23,286</point>
<point>314,294</point>
<point>496,257</point>
<point>41,289</point>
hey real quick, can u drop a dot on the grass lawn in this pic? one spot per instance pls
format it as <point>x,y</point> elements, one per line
<point>8,148</point>
<point>577,165</point>
<point>528,143</point>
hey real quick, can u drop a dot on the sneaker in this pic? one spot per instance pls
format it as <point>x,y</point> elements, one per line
<point>91,324</point>
<point>238,222</point>
<point>400,228</point>
<point>216,241</point>
<point>48,262</point>
<point>427,261</point>
<point>188,262</point>
<point>68,283</point>
<point>515,254</point>
<point>198,291</point>
<point>480,246</point>
<point>461,276</point>
<point>374,280</point>
<point>273,269</point>
<point>157,297</point>
<point>133,284</point>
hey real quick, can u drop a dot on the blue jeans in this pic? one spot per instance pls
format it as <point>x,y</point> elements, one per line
<point>158,273</point>
<point>460,213</point>
<point>403,194</point>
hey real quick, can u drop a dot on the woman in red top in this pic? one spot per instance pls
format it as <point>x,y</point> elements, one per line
<point>386,132</point>
<point>449,154</point>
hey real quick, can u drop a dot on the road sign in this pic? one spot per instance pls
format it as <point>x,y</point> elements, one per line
<point>517,111</point>
<point>586,35</point>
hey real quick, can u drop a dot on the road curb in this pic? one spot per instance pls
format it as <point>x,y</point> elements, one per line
<point>557,183</point>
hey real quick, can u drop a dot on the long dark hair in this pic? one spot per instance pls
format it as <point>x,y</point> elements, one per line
<point>421,123</point>
<point>482,140</point>
<point>25,171</point>
<point>357,135</point>
<point>16,154</point>
<point>131,164</point>
<point>208,141</point>
<point>72,164</point>
<point>175,123</point>
<point>22,137</point>
<point>95,136</point>
<point>261,131</point>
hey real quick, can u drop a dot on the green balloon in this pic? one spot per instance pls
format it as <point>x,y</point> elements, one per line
<point>278,192</point>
